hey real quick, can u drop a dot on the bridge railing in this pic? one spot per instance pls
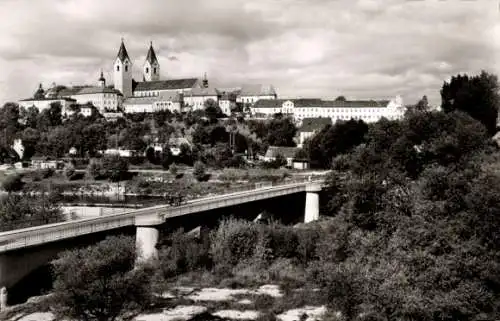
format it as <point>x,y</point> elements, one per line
<point>51,232</point>
<point>259,185</point>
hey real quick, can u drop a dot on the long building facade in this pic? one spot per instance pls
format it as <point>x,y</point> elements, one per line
<point>366,110</point>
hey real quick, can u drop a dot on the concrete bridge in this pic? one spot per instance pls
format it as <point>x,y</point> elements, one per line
<point>22,251</point>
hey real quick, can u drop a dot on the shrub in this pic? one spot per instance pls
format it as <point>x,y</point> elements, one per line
<point>99,282</point>
<point>307,239</point>
<point>173,170</point>
<point>182,253</point>
<point>233,241</point>
<point>200,172</point>
<point>95,169</point>
<point>47,172</point>
<point>69,171</point>
<point>116,167</point>
<point>13,183</point>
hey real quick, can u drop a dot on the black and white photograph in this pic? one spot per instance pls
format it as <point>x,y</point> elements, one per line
<point>235,160</point>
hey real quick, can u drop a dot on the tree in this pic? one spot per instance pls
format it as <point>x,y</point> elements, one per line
<point>99,282</point>
<point>18,212</point>
<point>30,138</point>
<point>212,110</point>
<point>340,98</point>
<point>422,105</point>
<point>334,140</point>
<point>13,183</point>
<point>116,167</point>
<point>477,96</point>
<point>9,123</point>
<point>95,169</point>
<point>69,171</point>
<point>281,132</point>
<point>199,171</point>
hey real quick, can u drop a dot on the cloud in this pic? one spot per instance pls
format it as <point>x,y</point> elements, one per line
<point>309,48</point>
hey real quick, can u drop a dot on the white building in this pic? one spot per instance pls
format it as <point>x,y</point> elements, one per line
<point>104,99</point>
<point>42,102</point>
<point>195,99</point>
<point>250,94</point>
<point>366,110</point>
<point>172,102</point>
<point>311,126</point>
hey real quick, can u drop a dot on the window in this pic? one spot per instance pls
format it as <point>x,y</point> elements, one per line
<point>147,70</point>
<point>117,68</point>
<point>154,71</point>
<point>126,67</point>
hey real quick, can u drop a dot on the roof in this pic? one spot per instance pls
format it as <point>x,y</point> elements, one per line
<point>312,124</point>
<point>257,90</point>
<point>171,84</point>
<point>201,92</point>
<point>287,152</point>
<point>65,92</point>
<point>151,57</point>
<point>269,103</point>
<point>178,141</point>
<point>48,99</point>
<point>150,100</point>
<point>96,90</point>
<point>122,53</point>
<point>355,103</point>
<point>315,102</point>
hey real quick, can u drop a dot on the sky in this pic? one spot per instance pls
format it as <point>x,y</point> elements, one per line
<point>360,49</point>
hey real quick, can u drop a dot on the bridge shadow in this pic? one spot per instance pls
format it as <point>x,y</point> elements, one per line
<point>288,210</point>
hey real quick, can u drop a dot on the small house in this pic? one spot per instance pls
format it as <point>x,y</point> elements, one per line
<point>287,152</point>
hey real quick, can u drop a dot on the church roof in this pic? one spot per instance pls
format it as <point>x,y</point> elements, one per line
<point>202,92</point>
<point>97,90</point>
<point>174,97</point>
<point>122,53</point>
<point>151,57</point>
<point>171,84</point>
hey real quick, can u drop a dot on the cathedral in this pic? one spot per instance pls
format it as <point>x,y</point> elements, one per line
<point>151,85</point>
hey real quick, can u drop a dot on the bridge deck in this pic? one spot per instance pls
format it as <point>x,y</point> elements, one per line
<point>16,239</point>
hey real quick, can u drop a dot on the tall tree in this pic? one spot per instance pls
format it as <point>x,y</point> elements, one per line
<point>477,96</point>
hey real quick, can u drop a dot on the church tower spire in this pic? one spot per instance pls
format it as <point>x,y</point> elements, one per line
<point>122,71</point>
<point>151,65</point>
<point>102,80</point>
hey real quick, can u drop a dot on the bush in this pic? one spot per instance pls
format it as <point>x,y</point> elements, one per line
<point>99,282</point>
<point>47,172</point>
<point>233,242</point>
<point>95,169</point>
<point>173,170</point>
<point>13,183</point>
<point>116,167</point>
<point>69,171</point>
<point>200,172</point>
<point>182,253</point>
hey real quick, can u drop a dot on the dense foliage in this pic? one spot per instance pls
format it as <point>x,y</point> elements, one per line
<point>476,95</point>
<point>100,282</point>
<point>18,212</point>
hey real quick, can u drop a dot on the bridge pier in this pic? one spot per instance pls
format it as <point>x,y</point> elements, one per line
<point>312,202</point>
<point>147,235</point>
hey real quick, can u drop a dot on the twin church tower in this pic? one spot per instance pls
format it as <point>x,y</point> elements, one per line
<point>122,70</point>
